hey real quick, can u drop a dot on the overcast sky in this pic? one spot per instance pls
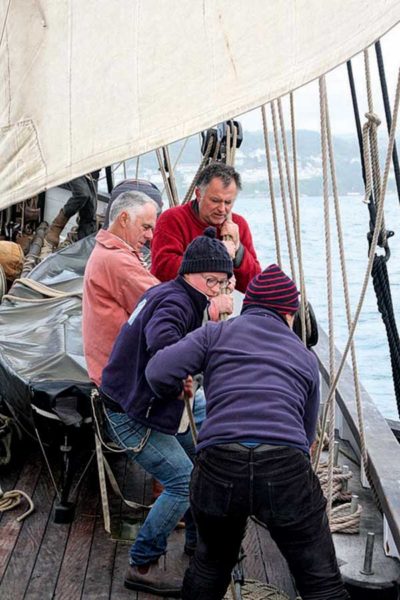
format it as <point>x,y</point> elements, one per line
<point>341,112</point>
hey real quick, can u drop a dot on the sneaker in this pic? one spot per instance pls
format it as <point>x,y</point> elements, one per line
<point>154,578</point>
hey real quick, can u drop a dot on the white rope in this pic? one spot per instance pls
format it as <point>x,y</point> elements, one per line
<point>374,240</point>
<point>13,498</point>
<point>283,192</point>
<point>271,188</point>
<point>328,251</point>
<point>339,229</point>
<point>297,228</point>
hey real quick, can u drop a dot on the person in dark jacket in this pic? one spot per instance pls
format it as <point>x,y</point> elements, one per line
<point>84,202</point>
<point>262,391</point>
<point>153,429</point>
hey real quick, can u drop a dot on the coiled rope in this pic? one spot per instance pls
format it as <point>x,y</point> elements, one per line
<point>257,590</point>
<point>11,499</point>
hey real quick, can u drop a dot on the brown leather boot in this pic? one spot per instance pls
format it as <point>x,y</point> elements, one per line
<point>53,232</point>
<point>157,578</point>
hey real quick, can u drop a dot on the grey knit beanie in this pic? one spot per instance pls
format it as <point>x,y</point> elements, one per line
<point>206,254</point>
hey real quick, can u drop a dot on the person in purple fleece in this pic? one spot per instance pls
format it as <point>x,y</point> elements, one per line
<point>253,454</point>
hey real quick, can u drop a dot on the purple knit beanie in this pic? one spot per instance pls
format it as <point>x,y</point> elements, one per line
<point>273,289</point>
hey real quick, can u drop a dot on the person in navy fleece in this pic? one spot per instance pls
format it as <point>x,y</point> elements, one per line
<point>152,429</point>
<point>253,454</point>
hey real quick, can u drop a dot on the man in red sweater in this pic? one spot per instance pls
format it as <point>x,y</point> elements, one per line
<point>216,191</point>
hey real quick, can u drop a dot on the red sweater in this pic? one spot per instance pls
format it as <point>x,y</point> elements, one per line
<point>177,227</point>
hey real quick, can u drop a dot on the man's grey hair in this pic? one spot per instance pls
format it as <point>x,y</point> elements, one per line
<point>226,173</point>
<point>131,202</point>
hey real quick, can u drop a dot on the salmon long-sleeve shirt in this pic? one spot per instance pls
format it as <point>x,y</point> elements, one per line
<point>114,281</point>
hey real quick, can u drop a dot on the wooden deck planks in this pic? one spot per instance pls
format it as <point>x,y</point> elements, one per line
<point>18,575</point>
<point>134,488</point>
<point>43,560</point>
<point>72,575</point>
<point>10,527</point>
<point>274,563</point>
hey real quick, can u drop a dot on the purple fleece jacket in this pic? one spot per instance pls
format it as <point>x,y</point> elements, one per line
<point>261,383</point>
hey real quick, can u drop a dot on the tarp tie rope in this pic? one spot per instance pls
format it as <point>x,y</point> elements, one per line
<point>103,466</point>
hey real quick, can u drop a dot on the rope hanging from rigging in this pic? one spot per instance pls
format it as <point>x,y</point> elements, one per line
<point>379,271</point>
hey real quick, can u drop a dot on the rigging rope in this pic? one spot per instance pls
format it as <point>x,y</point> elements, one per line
<point>374,241</point>
<point>380,279</point>
<point>330,406</point>
<point>271,188</point>
<point>388,113</point>
<point>283,192</point>
<point>304,312</point>
<point>379,270</point>
<point>203,163</point>
<point>339,230</point>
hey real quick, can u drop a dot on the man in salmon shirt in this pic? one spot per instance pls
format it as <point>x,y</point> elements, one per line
<point>217,187</point>
<point>115,276</point>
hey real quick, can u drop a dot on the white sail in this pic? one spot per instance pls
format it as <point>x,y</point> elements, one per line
<point>85,83</point>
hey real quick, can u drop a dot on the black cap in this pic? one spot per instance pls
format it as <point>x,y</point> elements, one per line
<point>206,254</point>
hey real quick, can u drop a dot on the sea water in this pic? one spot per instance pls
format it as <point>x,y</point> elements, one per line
<point>370,339</point>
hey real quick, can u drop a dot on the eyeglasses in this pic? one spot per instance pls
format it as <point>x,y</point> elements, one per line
<point>213,281</point>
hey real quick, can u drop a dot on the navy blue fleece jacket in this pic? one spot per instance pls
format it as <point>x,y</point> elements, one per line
<point>164,315</point>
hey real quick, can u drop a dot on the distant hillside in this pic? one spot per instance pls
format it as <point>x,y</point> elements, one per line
<point>251,163</point>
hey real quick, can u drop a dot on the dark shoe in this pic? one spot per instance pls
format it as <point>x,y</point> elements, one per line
<point>55,229</point>
<point>154,579</point>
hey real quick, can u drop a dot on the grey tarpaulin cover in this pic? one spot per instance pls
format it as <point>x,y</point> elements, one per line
<point>41,353</point>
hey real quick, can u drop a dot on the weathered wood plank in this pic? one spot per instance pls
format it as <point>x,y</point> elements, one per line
<point>253,565</point>
<point>18,574</point>
<point>74,565</point>
<point>9,474</point>
<point>99,576</point>
<point>133,489</point>
<point>350,548</point>
<point>10,527</point>
<point>275,565</point>
<point>382,446</point>
<point>48,562</point>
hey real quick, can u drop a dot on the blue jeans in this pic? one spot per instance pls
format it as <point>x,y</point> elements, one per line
<point>278,487</point>
<point>169,459</point>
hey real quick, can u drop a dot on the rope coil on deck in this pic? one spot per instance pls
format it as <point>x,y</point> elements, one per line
<point>12,499</point>
<point>343,518</point>
<point>257,590</point>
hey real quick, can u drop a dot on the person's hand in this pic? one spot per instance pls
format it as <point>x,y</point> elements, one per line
<point>222,304</point>
<point>230,288</point>
<point>232,229</point>
<point>187,388</point>
<point>231,248</point>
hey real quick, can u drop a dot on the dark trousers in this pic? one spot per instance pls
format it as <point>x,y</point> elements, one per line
<point>84,202</point>
<point>276,486</point>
